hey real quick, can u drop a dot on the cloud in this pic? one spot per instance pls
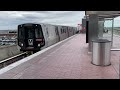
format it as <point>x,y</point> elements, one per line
<point>10,19</point>
<point>108,23</point>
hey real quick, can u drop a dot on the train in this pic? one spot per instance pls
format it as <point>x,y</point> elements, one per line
<point>35,36</point>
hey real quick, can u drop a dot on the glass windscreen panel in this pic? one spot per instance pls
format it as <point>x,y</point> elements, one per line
<point>38,33</point>
<point>20,32</point>
<point>116,33</point>
<point>29,32</point>
<point>107,31</point>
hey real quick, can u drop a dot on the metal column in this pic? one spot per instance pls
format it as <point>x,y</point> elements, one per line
<point>93,29</point>
<point>112,31</point>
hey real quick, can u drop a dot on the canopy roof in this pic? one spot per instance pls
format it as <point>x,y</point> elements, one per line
<point>104,14</point>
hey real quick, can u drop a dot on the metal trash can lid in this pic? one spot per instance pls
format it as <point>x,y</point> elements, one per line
<point>101,40</point>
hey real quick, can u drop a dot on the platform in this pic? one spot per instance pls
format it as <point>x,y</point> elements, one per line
<point>67,60</point>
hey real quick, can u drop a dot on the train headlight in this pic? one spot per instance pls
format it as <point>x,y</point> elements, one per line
<point>21,44</point>
<point>38,45</point>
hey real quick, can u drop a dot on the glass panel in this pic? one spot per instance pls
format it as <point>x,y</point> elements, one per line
<point>56,30</point>
<point>20,32</point>
<point>61,30</point>
<point>107,32</point>
<point>38,33</point>
<point>116,34</point>
<point>30,33</point>
<point>101,29</point>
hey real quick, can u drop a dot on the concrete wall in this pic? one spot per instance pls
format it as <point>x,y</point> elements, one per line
<point>9,51</point>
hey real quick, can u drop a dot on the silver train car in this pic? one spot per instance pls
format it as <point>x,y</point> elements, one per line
<point>34,37</point>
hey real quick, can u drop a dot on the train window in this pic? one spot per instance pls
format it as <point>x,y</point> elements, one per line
<point>38,33</point>
<point>56,30</point>
<point>47,31</point>
<point>20,32</point>
<point>61,30</point>
<point>30,33</point>
<point>65,30</point>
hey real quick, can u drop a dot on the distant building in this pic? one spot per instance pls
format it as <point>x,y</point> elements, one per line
<point>8,35</point>
<point>79,27</point>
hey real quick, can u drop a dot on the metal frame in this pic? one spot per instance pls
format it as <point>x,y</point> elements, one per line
<point>112,28</point>
<point>112,31</point>
<point>104,14</point>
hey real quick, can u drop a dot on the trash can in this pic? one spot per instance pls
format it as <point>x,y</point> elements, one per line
<point>101,53</point>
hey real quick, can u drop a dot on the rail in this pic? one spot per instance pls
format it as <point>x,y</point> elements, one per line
<point>11,60</point>
<point>115,49</point>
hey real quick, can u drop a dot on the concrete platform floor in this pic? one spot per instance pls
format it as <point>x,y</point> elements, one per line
<point>68,60</point>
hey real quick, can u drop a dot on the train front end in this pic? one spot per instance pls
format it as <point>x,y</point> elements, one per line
<point>30,37</point>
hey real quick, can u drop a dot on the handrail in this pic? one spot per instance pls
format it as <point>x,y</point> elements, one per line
<point>115,49</point>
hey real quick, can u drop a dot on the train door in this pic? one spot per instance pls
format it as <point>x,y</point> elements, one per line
<point>73,31</point>
<point>57,33</point>
<point>21,36</point>
<point>68,31</point>
<point>29,37</point>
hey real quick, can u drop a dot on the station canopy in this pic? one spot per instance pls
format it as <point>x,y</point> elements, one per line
<point>104,14</point>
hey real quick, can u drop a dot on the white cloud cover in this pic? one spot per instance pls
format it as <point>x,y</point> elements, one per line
<point>10,19</point>
<point>116,22</point>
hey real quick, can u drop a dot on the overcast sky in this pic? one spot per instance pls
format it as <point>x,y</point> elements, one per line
<point>10,19</point>
<point>108,23</point>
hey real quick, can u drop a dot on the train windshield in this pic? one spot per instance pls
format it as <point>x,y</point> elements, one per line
<point>32,31</point>
<point>38,33</point>
<point>20,32</point>
<point>29,32</point>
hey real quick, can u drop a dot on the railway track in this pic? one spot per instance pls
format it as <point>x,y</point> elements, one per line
<point>11,60</point>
